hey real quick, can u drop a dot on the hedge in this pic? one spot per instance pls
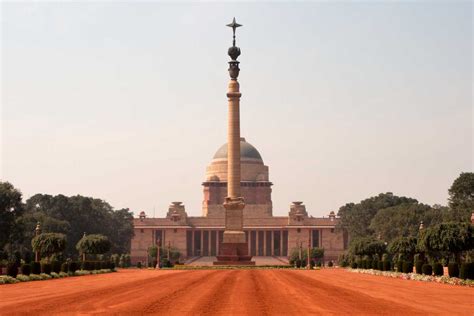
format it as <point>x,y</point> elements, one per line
<point>427,269</point>
<point>64,267</point>
<point>46,268</point>
<point>467,271</point>
<point>453,270</point>
<point>12,269</point>
<point>35,267</point>
<point>387,265</point>
<point>407,267</point>
<point>418,266</point>
<point>55,266</point>
<point>438,269</point>
<point>26,269</point>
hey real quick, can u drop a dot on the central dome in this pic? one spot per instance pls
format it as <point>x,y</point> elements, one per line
<point>247,152</point>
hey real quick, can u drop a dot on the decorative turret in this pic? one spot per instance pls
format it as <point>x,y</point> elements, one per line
<point>177,213</point>
<point>297,213</point>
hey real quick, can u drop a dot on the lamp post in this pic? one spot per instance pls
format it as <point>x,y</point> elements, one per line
<point>84,253</point>
<point>168,254</point>
<point>37,232</point>
<point>309,252</point>
<point>158,255</point>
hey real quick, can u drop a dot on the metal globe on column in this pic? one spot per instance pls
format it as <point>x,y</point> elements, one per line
<point>234,249</point>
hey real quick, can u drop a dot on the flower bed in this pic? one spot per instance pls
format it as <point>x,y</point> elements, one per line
<point>5,279</point>
<point>417,277</point>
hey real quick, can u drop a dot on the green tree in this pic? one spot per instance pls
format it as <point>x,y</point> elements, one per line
<point>403,248</point>
<point>77,214</point>
<point>10,210</point>
<point>403,220</point>
<point>367,246</point>
<point>445,239</point>
<point>461,197</point>
<point>356,218</point>
<point>48,244</point>
<point>93,244</point>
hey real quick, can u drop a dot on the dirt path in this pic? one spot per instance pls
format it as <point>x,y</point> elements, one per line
<point>235,292</point>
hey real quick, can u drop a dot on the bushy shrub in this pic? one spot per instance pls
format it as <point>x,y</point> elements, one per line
<point>418,266</point>
<point>319,264</point>
<point>35,277</point>
<point>387,265</point>
<point>22,278</point>
<point>6,279</point>
<point>72,266</point>
<point>453,270</point>
<point>330,264</point>
<point>36,268</point>
<point>407,267</point>
<point>97,265</point>
<point>427,269</point>
<point>438,269</point>
<point>112,265</point>
<point>64,267</point>
<point>311,264</point>
<point>63,274</point>
<point>46,268</point>
<point>26,269</point>
<point>45,276</point>
<point>354,265</point>
<point>467,271</point>
<point>55,275</point>
<point>139,264</point>
<point>297,263</point>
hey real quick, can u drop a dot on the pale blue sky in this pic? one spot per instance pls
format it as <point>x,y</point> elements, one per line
<point>126,101</point>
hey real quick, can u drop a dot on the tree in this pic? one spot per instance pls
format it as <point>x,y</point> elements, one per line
<point>367,246</point>
<point>10,210</point>
<point>403,247</point>
<point>356,218</point>
<point>447,238</point>
<point>76,214</point>
<point>93,244</point>
<point>48,244</point>
<point>403,220</point>
<point>461,197</point>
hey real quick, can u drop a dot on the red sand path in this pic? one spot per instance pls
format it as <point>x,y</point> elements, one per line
<point>237,292</point>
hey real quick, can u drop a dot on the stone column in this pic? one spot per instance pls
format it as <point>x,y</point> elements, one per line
<point>234,248</point>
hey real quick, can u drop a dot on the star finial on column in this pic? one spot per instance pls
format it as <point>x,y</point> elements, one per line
<point>234,25</point>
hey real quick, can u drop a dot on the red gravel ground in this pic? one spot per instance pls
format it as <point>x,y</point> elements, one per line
<point>235,292</point>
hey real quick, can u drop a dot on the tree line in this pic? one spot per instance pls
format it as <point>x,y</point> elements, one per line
<point>71,216</point>
<point>401,229</point>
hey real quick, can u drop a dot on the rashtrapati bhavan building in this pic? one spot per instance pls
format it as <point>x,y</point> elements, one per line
<point>266,235</point>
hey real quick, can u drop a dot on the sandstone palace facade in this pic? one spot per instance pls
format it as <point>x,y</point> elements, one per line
<point>267,235</point>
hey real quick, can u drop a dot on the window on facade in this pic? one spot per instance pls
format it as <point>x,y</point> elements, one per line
<point>197,243</point>
<point>276,243</point>
<point>332,230</point>
<point>284,251</point>
<point>315,236</point>
<point>189,243</point>
<point>268,243</point>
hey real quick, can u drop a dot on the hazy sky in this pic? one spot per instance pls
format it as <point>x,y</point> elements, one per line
<point>127,101</point>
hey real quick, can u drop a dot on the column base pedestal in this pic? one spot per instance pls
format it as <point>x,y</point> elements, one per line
<point>233,254</point>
